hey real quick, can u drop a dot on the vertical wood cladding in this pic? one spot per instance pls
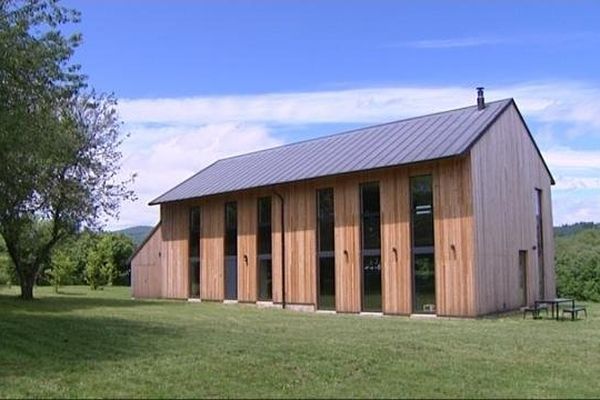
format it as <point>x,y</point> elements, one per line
<point>146,268</point>
<point>483,215</point>
<point>212,250</point>
<point>175,232</point>
<point>247,256</point>
<point>506,170</point>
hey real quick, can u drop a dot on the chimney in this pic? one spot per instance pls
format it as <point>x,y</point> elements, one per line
<point>480,99</point>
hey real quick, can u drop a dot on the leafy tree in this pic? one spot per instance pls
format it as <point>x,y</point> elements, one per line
<point>62,270</point>
<point>107,261</point>
<point>578,264</point>
<point>59,141</point>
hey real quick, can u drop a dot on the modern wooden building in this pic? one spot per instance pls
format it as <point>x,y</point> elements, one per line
<point>447,214</point>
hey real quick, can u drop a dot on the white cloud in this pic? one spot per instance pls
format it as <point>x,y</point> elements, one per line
<point>519,40</point>
<point>172,138</point>
<point>164,156</point>
<point>571,102</point>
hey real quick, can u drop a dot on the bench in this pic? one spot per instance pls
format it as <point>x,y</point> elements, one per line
<point>574,311</point>
<point>535,310</point>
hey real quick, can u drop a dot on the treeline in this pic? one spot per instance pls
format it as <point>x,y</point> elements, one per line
<point>94,259</point>
<point>578,261</point>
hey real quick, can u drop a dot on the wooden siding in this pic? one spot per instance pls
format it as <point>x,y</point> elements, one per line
<point>453,233</point>
<point>212,250</point>
<point>396,242</point>
<point>146,268</point>
<point>483,215</point>
<point>175,233</point>
<point>247,252</point>
<point>506,170</point>
<point>347,245</point>
<point>300,243</point>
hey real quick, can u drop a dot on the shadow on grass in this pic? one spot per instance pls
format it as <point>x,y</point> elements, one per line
<point>42,344</point>
<point>62,303</point>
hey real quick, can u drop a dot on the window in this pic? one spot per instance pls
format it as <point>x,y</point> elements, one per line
<point>230,251</point>
<point>540,243</point>
<point>194,253</point>
<point>371,247</point>
<point>265,270</point>
<point>423,259</point>
<point>325,250</point>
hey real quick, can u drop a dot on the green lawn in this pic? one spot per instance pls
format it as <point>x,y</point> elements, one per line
<point>102,344</point>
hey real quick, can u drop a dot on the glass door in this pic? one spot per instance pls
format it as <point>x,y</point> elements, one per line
<point>371,247</point>
<point>423,256</point>
<point>231,271</point>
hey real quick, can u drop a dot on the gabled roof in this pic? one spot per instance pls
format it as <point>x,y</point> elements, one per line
<point>430,137</point>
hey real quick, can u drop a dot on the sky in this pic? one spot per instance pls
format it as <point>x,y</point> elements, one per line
<point>202,80</point>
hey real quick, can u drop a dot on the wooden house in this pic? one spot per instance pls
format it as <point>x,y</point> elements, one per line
<point>446,214</point>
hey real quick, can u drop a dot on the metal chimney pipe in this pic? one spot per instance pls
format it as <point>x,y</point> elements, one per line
<point>480,98</point>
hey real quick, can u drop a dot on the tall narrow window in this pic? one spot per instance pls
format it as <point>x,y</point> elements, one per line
<point>423,259</point>
<point>265,271</point>
<point>194,253</point>
<point>325,250</point>
<point>371,247</point>
<point>231,251</point>
<point>540,242</point>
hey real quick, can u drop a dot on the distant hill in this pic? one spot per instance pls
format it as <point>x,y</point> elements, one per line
<point>572,229</point>
<point>136,233</point>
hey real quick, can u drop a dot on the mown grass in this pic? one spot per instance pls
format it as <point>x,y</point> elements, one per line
<point>103,344</point>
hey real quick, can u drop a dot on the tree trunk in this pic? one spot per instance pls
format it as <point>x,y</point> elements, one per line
<point>27,286</point>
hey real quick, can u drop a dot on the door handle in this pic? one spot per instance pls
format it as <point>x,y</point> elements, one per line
<point>395,253</point>
<point>246,259</point>
<point>346,254</point>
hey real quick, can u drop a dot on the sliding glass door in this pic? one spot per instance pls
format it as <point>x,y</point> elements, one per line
<point>325,250</point>
<point>370,247</point>
<point>194,253</point>
<point>231,271</point>
<point>423,260</point>
<point>265,271</point>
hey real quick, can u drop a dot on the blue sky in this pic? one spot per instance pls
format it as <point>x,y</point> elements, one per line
<point>207,79</point>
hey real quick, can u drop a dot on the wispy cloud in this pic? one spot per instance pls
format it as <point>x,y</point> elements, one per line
<point>477,41</point>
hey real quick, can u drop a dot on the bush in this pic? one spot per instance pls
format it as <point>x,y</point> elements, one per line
<point>578,265</point>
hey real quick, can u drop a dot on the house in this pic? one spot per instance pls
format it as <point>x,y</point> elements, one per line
<point>447,214</point>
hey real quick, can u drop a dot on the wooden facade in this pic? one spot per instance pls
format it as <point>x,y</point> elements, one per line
<point>483,216</point>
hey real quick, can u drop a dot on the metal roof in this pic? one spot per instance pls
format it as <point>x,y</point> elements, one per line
<point>429,137</point>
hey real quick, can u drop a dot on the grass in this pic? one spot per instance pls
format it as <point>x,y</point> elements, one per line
<point>102,344</point>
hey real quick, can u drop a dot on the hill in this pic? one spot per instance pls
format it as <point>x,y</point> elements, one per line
<point>136,233</point>
<point>572,229</point>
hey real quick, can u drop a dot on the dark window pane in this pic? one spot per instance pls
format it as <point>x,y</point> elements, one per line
<point>264,239</point>
<point>194,253</point>
<point>265,271</point>
<point>370,198</point>
<point>264,211</point>
<point>231,229</point>
<point>325,199</point>
<point>372,283</point>
<point>422,210</point>
<point>326,238</point>
<point>326,283</point>
<point>371,232</point>
<point>424,275</point>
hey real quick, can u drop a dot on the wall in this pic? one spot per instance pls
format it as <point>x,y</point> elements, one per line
<point>506,169</point>
<point>146,267</point>
<point>452,228</point>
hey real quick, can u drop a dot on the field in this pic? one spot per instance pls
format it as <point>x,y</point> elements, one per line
<point>103,344</point>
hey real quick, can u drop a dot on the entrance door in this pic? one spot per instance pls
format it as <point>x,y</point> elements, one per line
<point>423,258</point>
<point>231,272</point>
<point>523,277</point>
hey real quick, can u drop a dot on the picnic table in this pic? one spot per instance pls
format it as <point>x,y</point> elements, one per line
<point>555,303</point>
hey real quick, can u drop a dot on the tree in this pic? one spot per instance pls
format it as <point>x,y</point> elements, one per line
<point>59,141</point>
<point>62,269</point>
<point>107,261</point>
